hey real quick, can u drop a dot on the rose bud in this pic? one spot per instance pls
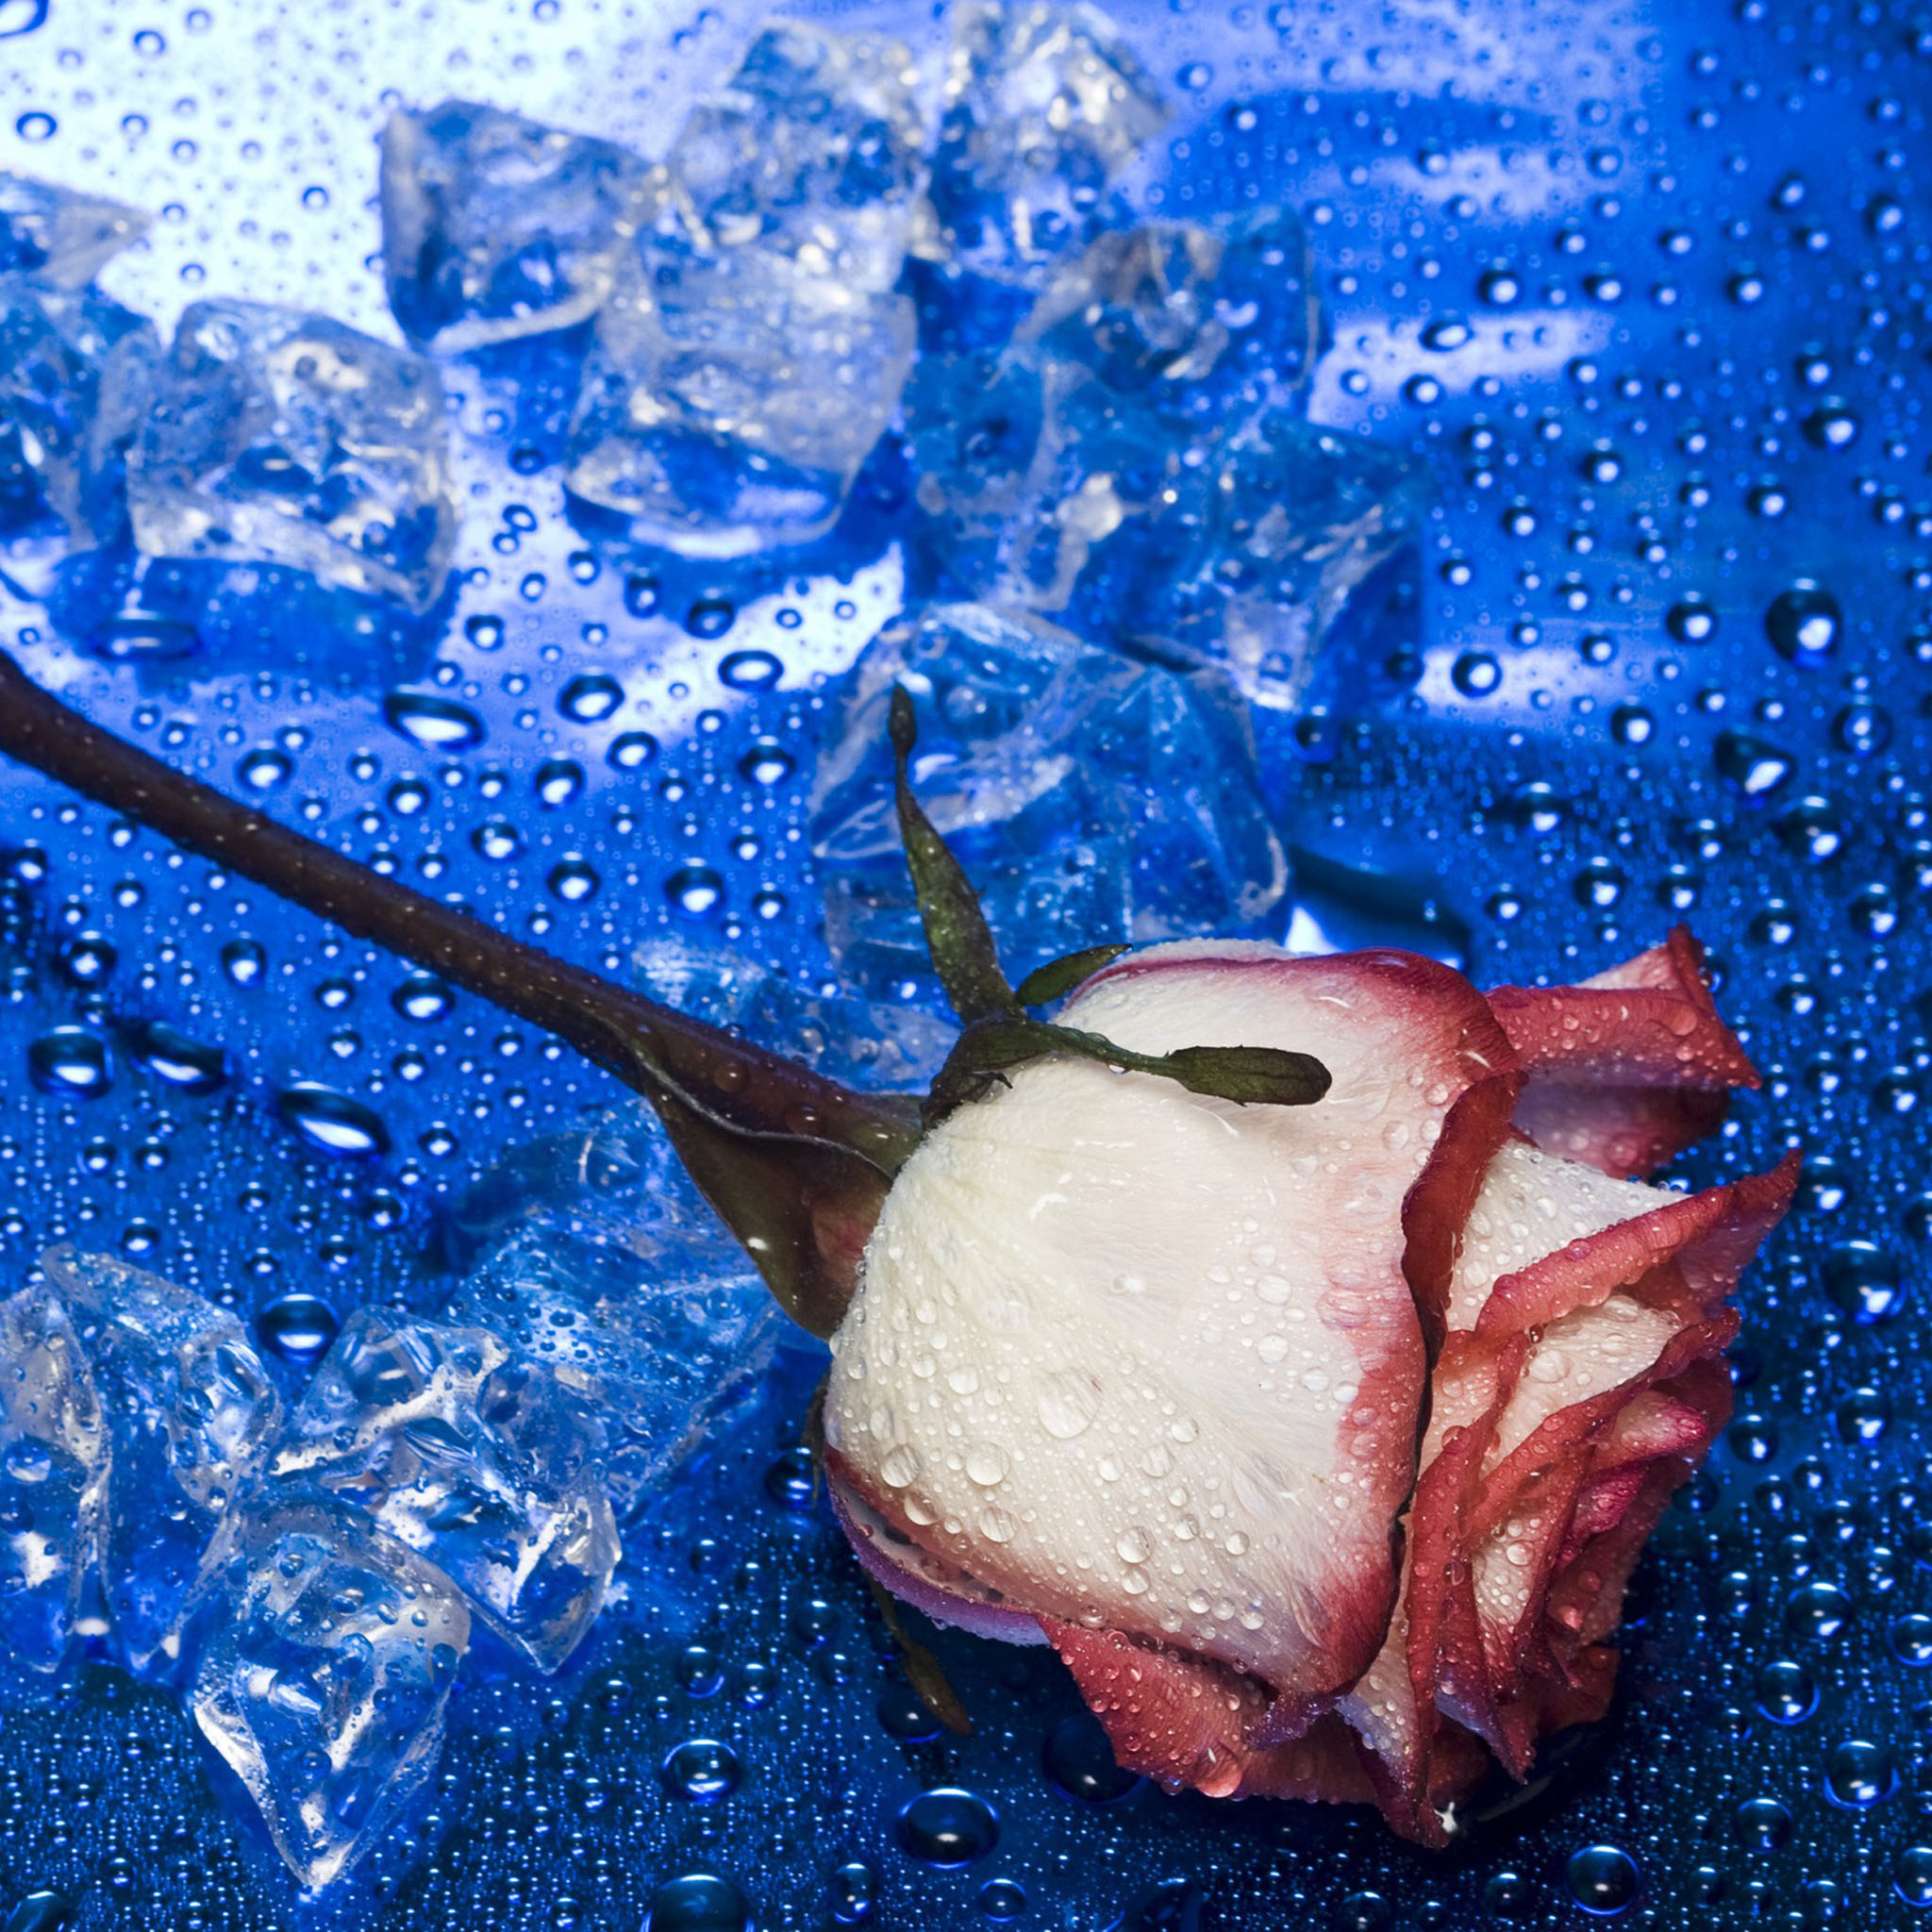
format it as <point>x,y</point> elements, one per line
<point>1320,1440</point>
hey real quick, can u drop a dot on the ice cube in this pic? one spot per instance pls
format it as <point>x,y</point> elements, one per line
<point>54,1461</point>
<point>814,151</point>
<point>74,369</point>
<point>1247,568</point>
<point>190,1412</point>
<point>1046,107</point>
<point>494,227</point>
<point>1090,798</point>
<point>325,1679</point>
<point>731,398</point>
<point>592,1253</point>
<point>474,1458</point>
<point>57,235</point>
<point>281,436</point>
<point>1207,319</point>
<point>865,1043</point>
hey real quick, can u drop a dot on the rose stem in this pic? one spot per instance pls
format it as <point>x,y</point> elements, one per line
<point>795,1163</point>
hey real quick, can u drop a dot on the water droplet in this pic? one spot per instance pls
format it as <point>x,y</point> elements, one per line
<point>1819,1610</point>
<point>1079,1762</point>
<point>484,633</point>
<point>1691,621</point>
<point>1785,1692</point>
<point>1445,334</point>
<point>22,17</point>
<point>557,781</point>
<point>711,617</point>
<point>1911,1876</point>
<point>1762,1825</point>
<point>1831,425</point>
<point>1001,1901</point>
<point>1909,1640</point>
<point>1752,766</point>
<point>695,889</point>
<point>590,697</point>
<point>437,723</point>
<point>573,880</point>
<point>1476,674</point>
<point>750,671</point>
<point>332,1123</point>
<point>767,762</point>
<point>1603,1879</point>
<point>298,1328</point>
<point>1860,1774</point>
<point>698,1901</point>
<point>264,769</point>
<point>496,840</point>
<point>422,997</point>
<point>948,1827</point>
<point>642,594</point>
<point>1068,1402</point>
<point>188,1065</point>
<point>702,1770</point>
<point>1805,623</point>
<point>244,962</point>
<point>1864,1282</point>
<point>87,957</point>
<point>70,1061</point>
<point>630,751</point>
<point>790,1481</point>
<point>852,1892</point>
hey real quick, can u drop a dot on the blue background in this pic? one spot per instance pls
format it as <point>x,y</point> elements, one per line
<point>1715,229</point>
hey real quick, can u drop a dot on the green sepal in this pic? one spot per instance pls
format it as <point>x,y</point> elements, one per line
<point>956,935</point>
<point>1058,977</point>
<point>1249,1075</point>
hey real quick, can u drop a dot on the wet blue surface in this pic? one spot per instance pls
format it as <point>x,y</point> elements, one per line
<point>1647,287</point>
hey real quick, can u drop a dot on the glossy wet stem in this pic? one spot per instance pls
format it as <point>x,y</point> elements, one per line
<point>795,1164</point>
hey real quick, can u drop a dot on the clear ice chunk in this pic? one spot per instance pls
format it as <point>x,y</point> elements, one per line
<point>322,1683</point>
<point>1046,107</point>
<point>474,1459</point>
<point>54,1462</point>
<point>1098,433</point>
<point>1090,798</point>
<point>73,368</point>
<point>815,152</point>
<point>494,227</point>
<point>731,398</point>
<point>1252,563</point>
<point>280,437</point>
<point>61,236</point>
<point>879,1046</point>
<point>591,1252</point>
<point>190,1412</point>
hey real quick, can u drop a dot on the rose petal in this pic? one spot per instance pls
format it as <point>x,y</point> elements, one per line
<point>1629,1068</point>
<point>1188,1722</point>
<point>1140,1360</point>
<point>942,1591</point>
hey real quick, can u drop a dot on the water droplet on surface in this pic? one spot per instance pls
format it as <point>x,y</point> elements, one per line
<point>557,781</point>
<point>189,1066</point>
<point>750,671</point>
<point>1079,1763</point>
<point>1805,623</point>
<point>437,723</point>
<point>1762,1825</point>
<point>1786,1694</point>
<point>1864,1282</point>
<point>702,1770</point>
<point>948,1827</point>
<point>1001,1901</point>
<point>298,1328</point>
<point>1819,1610</point>
<point>698,1901</point>
<point>852,1892</point>
<point>590,697</point>
<point>1911,1876</point>
<point>695,889</point>
<point>70,1061</point>
<point>1691,622</point>
<point>1754,767</point>
<point>87,959</point>
<point>332,1123</point>
<point>1860,1774</point>
<point>422,997</point>
<point>630,751</point>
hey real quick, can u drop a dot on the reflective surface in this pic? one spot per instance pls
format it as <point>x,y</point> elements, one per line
<point>1647,287</point>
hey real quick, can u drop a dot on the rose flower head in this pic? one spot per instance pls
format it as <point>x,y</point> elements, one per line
<point>1318,1431</point>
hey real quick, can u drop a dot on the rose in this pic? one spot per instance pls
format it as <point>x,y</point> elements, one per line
<point>1142,1373</point>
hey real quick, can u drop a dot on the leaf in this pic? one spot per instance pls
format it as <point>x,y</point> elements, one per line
<point>1058,977</point>
<point>961,944</point>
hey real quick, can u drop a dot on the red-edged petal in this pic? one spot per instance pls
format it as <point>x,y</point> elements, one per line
<point>1134,1358</point>
<point>1188,1722</point>
<point>1627,1068</point>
